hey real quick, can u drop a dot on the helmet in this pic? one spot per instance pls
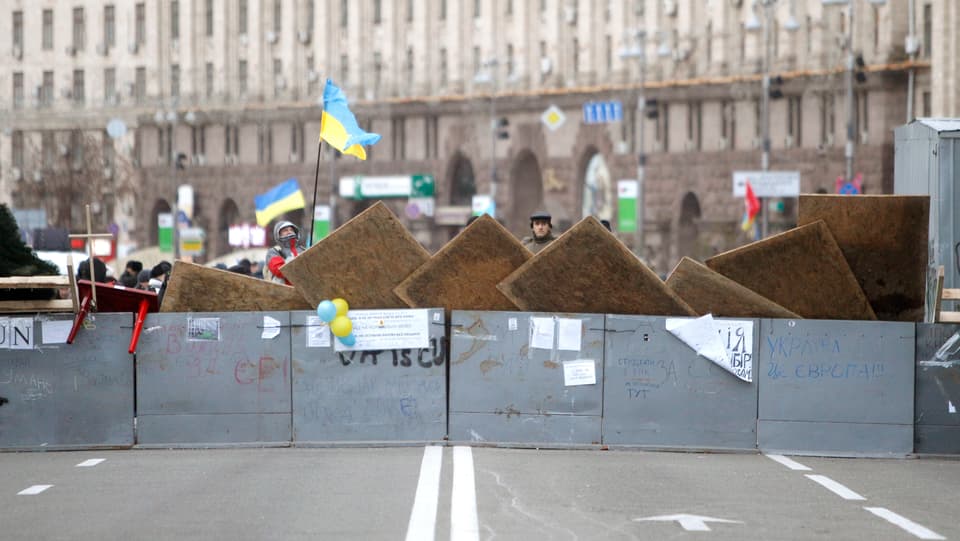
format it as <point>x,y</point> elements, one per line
<point>281,225</point>
<point>541,215</point>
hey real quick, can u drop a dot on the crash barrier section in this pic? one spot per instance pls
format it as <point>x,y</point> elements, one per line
<point>938,389</point>
<point>526,378</point>
<point>214,378</point>
<point>395,394</point>
<point>659,392</point>
<point>59,396</point>
<point>836,387</point>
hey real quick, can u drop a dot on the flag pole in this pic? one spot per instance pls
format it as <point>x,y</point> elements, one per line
<point>316,183</point>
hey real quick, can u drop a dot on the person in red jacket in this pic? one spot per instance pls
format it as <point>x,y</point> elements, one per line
<point>288,247</point>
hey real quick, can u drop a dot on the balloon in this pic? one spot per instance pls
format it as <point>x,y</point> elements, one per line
<point>342,306</point>
<point>348,340</point>
<point>341,326</point>
<point>327,311</point>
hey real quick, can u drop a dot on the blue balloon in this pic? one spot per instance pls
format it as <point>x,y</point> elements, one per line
<point>348,340</point>
<point>327,311</point>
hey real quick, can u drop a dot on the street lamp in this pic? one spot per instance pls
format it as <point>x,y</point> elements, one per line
<point>169,118</point>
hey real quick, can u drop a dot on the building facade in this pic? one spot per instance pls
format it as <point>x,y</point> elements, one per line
<point>223,96</point>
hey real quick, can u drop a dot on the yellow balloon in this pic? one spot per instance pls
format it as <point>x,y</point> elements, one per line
<point>342,307</point>
<point>341,326</point>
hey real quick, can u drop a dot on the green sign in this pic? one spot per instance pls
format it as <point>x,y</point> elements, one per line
<point>321,223</point>
<point>380,187</point>
<point>165,232</point>
<point>627,191</point>
<point>422,186</point>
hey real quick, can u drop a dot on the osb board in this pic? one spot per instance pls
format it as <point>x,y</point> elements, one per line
<point>464,274</point>
<point>587,270</point>
<point>709,292</point>
<point>361,262</point>
<point>802,270</point>
<point>884,240</point>
<point>195,288</point>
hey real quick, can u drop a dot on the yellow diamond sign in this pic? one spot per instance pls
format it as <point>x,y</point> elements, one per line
<point>553,117</point>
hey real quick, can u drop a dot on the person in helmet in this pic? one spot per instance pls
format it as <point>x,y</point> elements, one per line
<point>287,247</point>
<point>541,225</point>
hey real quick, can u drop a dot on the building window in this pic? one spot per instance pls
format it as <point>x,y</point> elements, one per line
<point>757,118</point>
<point>509,7</point>
<point>510,64</point>
<point>79,37</point>
<point>795,119</point>
<point>16,149</point>
<point>174,19</point>
<point>76,149</point>
<point>264,144</point>
<point>140,84</point>
<point>608,53</point>
<point>665,119</point>
<point>443,10</point>
<point>242,78</point>
<point>311,14</point>
<point>443,67</point>
<point>18,30</point>
<point>409,67</point>
<point>242,17</point>
<point>477,61</point>
<point>208,17</point>
<point>409,11</point>
<point>278,82</point>
<point>695,124</point>
<point>862,120</point>
<point>296,142</point>
<point>808,29</point>
<point>140,28</point>
<point>48,150</point>
<point>17,89</point>
<point>827,118</point>
<point>377,70</point>
<point>209,79</point>
<point>46,91</point>
<point>344,69</point>
<point>576,55</point>
<point>175,80</point>
<point>109,26</point>
<point>312,77</point>
<point>109,84</point>
<point>927,104</point>
<point>927,30</point>
<point>198,140</point>
<point>476,8</point>
<point>277,16</point>
<point>399,138</point>
<point>344,13</point>
<point>47,29</point>
<point>743,42</point>
<point>709,43</point>
<point>377,14</point>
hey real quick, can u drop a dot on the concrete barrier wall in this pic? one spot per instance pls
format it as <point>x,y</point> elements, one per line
<point>508,382</point>
<point>214,378</point>
<point>937,414</point>
<point>658,392</point>
<point>392,395</point>
<point>59,396</point>
<point>836,387</point>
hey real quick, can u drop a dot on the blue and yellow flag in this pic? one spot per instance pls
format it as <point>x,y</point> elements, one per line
<point>338,126</point>
<point>280,199</point>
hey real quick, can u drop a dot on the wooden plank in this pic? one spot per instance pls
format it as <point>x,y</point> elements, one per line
<point>361,262</point>
<point>709,292</point>
<point>884,240</point>
<point>34,282</point>
<point>802,270</point>
<point>588,270</point>
<point>195,288</point>
<point>938,300</point>
<point>56,305</point>
<point>464,274</point>
<point>951,294</point>
<point>949,317</point>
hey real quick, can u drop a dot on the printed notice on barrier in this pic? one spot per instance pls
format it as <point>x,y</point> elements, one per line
<point>569,333</point>
<point>318,333</point>
<point>541,332</point>
<point>388,329</point>
<point>203,329</point>
<point>579,372</point>
<point>55,331</point>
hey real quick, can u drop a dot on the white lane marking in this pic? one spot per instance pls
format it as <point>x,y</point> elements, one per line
<point>90,463</point>
<point>423,517</point>
<point>905,523</point>
<point>34,490</point>
<point>691,523</point>
<point>792,464</point>
<point>835,487</point>
<point>463,504</point>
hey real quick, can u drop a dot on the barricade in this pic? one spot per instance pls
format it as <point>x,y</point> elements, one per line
<point>214,378</point>
<point>938,389</point>
<point>836,387</point>
<point>387,396</point>
<point>59,396</point>
<point>526,378</point>
<point>659,392</point>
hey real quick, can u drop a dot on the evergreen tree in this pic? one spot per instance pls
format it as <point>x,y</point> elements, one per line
<point>16,258</point>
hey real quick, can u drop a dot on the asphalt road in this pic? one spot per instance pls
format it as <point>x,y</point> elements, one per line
<point>459,493</point>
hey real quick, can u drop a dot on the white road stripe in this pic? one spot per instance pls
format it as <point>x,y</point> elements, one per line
<point>835,487</point>
<point>423,517</point>
<point>463,505</point>
<point>90,463</point>
<point>792,464</point>
<point>905,523</point>
<point>34,490</point>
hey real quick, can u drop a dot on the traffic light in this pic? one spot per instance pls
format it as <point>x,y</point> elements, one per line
<point>776,92</point>
<point>651,109</point>
<point>503,128</point>
<point>858,72</point>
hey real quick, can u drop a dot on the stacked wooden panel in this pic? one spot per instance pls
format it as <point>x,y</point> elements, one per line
<point>709,292</point>
<point>195,288</point>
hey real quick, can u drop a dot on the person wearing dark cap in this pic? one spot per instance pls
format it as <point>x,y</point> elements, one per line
<point>606,223</point>
<point>99,270</point>
<point>129,276</point>
<point>541,227</point>
<point>158,278</point>
<point>288,246</point>
<point>143,280</point>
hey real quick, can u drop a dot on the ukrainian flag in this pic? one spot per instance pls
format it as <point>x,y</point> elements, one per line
<point>280,199</point>
<point>338,126</point>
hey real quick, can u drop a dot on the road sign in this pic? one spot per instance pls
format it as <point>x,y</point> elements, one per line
<point>553,118</point>
<point>422,186</point>
<point>767,183</point>
<point>165,231</point>
<point>601,112</point>
<point>484,204</point>
<point>191,241</point>
<point>379,187</point>
<point>627,191</point>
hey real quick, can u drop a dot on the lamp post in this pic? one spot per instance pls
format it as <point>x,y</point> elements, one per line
<point>638,52</point>
<point>169,118</point>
